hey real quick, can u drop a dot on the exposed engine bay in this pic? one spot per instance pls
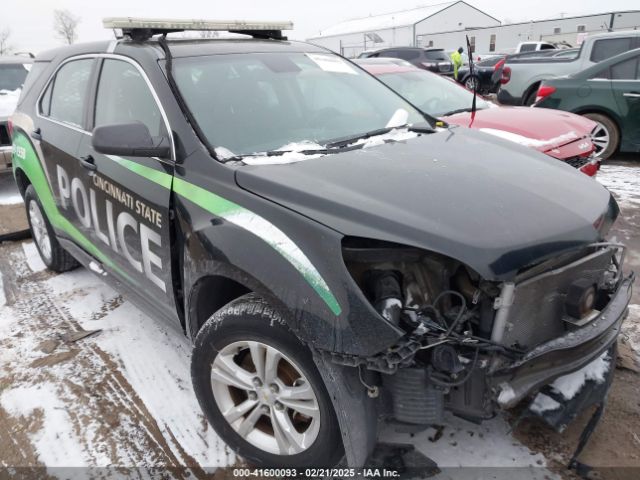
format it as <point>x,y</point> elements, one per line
<point>473,346</point>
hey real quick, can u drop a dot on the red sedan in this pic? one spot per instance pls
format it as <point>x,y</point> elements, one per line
<point>562,135</point>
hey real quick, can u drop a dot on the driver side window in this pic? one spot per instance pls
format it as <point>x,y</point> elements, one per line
<point>124,97</point>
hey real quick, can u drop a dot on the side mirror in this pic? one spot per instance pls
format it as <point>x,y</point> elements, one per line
<point>129,140</point>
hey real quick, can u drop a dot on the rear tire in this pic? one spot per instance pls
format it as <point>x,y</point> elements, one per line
<point>606,136</point>
<point>52,254</point>
<point>276,413</point>
<point>470,81</point>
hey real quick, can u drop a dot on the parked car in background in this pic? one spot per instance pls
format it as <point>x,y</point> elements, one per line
<point>524,74</point>
<point>607,93</point>
<point>432,59</point>
<point>13,72</point>
<point>486,74</point>
<point>561,135</point>
<point>534,47</point>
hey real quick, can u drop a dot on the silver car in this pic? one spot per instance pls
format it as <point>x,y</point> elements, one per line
<point>13,72</point>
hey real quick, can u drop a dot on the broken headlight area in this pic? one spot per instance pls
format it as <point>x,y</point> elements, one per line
<point>474,346</point>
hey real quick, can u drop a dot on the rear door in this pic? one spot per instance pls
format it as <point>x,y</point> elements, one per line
<point>130,197</point>
<point>625,83</point>
<point>59,128</point>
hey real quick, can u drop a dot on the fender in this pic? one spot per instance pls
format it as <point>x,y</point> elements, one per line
<point>217,246</point>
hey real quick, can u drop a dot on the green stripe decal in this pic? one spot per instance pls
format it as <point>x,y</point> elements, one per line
<point>156,176</point>
<point>245,219</point>
<point>265,230</point>
<point>29,163</point>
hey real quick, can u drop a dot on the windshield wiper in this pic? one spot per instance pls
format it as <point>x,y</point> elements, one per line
<point>363,136</point>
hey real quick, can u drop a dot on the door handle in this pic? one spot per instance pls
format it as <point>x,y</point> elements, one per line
<point>36,134</point>
<point>631,94</point>
<point>89,163</point>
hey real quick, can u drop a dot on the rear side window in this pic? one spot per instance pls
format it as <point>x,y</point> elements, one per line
<point>528,47</point>
<point>609,47</point>
<point>124,97</point>
<point>12,76</point>
<point>65,97</point>
<point>435,55</point>
<point>627,70</point>
<point>408,54</point>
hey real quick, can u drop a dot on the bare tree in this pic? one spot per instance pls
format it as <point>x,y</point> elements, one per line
<point>5,48</point>
<point>65,25</point>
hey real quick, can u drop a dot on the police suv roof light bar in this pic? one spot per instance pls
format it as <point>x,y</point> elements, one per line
<point>144,28</point>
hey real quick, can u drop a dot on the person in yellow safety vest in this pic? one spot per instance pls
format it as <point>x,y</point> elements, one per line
<point>456,59</point>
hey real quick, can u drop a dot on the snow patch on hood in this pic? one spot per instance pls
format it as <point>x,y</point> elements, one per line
<point>532,142</point>
<point>8,101</point>
<point>294,151</point>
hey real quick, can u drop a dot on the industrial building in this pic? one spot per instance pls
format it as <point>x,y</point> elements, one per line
<point>446,25</point>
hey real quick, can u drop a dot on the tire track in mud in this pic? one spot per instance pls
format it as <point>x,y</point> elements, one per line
<point>109,419</point>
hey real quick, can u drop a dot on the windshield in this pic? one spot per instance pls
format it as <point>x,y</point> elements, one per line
<point>12,76</point>
<point>260,102</point>
<point>431,93</point>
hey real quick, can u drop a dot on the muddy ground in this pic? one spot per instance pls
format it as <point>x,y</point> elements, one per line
<point>86,380</point>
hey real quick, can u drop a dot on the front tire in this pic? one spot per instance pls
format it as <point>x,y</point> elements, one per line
<point>52,254</point>
<point>261,391</point>
<point>605,137</point>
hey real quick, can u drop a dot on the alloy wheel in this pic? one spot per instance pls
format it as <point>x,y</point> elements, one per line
<point>471,83</point>
<point>39,230</point>
<point>265,397</point>
<point>601,138</point>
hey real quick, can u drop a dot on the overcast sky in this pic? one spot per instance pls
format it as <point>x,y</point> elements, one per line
<point>31,21</point>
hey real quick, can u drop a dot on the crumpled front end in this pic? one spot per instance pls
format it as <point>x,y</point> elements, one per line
<point>473,347</point>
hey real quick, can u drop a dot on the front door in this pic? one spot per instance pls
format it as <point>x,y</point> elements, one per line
<point>130,197</point>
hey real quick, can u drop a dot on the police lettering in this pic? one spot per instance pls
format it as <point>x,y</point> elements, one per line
<point>73,194</point>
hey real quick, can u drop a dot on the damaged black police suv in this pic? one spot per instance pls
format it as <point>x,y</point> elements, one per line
<point>337,257</point>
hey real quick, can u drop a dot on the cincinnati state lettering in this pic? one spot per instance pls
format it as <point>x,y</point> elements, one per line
<point>73,194</point>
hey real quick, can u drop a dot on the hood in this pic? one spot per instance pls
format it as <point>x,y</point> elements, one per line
<point>489,203</point>
<point>539,128</point>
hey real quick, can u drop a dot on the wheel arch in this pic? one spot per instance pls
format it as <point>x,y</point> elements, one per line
<point>583,110</point>
<point>208,295</point>
<point>531,90</point>
<point>22,180</point>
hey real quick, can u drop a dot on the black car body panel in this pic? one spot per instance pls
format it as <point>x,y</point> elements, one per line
<point>406,195</point>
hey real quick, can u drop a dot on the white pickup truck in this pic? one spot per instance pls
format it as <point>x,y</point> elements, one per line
<point>522,75</point>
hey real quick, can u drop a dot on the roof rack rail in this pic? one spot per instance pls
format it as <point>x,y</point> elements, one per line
<point>142,29</point>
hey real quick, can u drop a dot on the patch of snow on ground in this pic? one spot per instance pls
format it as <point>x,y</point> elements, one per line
<point>33,257</point>
<point>3,299</point>
<point>569,385</point>
<point>55,440</point>
<point>10,198</point>
<point>631,329</point>
<point>465,444</point>
<point>621,180</point>
<point>155,360</point>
